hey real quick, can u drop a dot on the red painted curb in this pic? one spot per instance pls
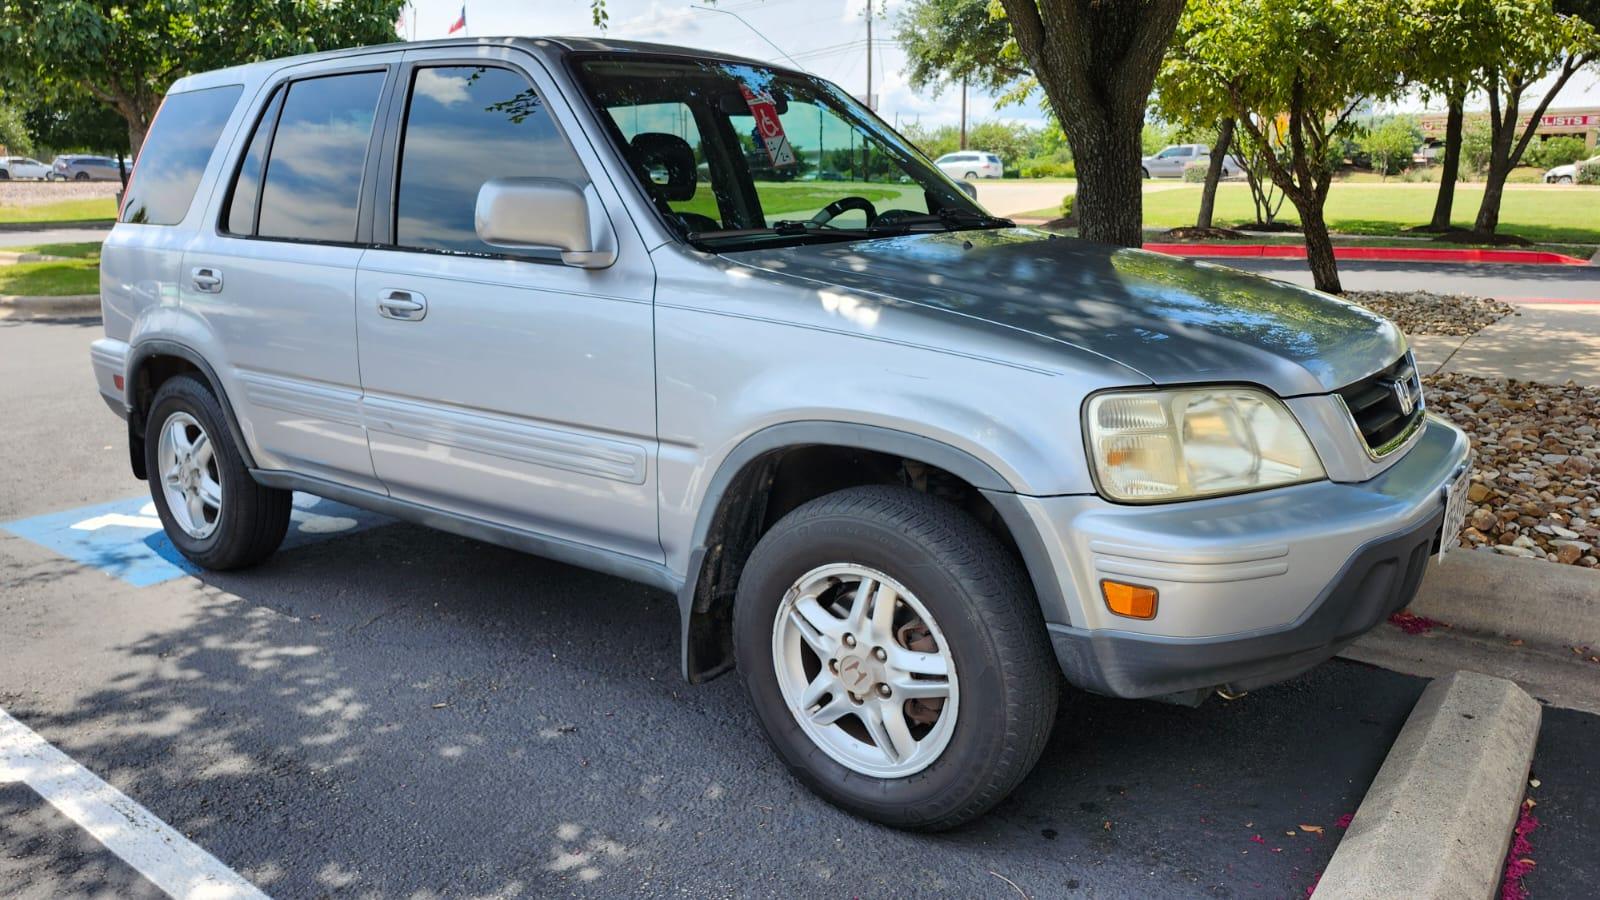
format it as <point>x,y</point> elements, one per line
<point>1387,254</point>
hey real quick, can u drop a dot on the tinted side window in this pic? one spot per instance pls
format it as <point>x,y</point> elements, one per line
<point>312,187</point>
<point>175,154</point>
<point>464,126</point>
<point>240,209</point>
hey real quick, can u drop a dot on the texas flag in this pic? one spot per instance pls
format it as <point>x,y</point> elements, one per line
<point>461,23</point>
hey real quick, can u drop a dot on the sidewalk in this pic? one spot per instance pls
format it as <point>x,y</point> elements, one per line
<point>1549,342</point>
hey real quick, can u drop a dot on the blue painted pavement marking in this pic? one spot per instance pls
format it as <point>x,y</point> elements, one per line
<point>124,538</point>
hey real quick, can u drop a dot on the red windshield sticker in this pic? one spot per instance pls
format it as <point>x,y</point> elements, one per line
<point>769,131</point>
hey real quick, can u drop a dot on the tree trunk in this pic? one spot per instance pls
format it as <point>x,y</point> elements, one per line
<point>1450,168</point>
<point>1511,138</point>
<point>1219,155</point>
<point>1110,198</point>
<point>1319,246</point>
<point>1097,62</point>
<point>1499,169</point>
<point>136,132</point>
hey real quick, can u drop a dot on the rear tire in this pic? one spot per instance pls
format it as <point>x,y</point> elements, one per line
<point>81,176</point>
<point>975,609</point>
<point>223,518</point>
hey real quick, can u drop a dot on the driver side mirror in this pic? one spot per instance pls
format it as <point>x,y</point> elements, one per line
<point>968,188</point>
<point>546,214</point>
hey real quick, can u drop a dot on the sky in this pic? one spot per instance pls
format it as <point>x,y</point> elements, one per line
<point>826,37</point>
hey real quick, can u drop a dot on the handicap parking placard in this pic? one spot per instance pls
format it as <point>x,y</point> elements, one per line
<point>124,538</point>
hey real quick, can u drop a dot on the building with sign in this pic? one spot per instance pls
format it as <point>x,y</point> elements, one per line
<point>1582,123</point>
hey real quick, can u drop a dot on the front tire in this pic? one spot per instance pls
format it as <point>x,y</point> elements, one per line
<point>1145,172</point>
<point>215,514</point>
<point>896,656</point>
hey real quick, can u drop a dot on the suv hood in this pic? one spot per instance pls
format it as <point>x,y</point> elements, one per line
<point>1173,320</point>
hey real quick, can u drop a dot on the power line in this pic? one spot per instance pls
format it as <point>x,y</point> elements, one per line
<point>754,29</point>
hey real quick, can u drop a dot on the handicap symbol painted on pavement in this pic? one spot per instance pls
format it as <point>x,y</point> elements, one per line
<point>124,538</point>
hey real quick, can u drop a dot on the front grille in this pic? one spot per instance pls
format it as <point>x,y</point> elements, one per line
<point>1378,405</point>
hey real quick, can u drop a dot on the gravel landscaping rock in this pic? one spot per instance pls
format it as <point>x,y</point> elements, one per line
<point>1535,488</point>
<point>1421,312</point>
<point>43,193</point>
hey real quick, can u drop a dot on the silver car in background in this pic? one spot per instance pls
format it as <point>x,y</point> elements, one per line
<point>85,168</point>
<point>906,467</point>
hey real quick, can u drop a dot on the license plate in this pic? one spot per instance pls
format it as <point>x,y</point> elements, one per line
<point>1455,512</point>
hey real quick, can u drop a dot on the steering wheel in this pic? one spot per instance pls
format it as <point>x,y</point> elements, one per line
<point>843,205</point>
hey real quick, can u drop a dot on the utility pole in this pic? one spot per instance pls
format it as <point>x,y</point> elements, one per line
<point>870,105</point>
<point>963,113</point>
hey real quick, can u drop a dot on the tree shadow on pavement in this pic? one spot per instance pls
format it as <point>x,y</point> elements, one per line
<point>407,712</point>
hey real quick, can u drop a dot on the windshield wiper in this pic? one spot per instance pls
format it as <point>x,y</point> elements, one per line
<point>949,219</point>
<point>788,228</point>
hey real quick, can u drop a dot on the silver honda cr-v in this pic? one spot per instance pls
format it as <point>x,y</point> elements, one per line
<point>707,324</point>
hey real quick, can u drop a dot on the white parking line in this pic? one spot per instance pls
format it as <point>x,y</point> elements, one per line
<point>152,847</point>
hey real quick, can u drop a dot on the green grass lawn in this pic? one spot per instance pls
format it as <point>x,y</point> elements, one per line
<point>96,209</point>
<point>55,278</point>
<point>1555,215</point>
<point>81,250</point>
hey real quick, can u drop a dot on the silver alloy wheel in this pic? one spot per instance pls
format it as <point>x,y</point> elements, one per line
<point>189,478</point>
<point>865,670</point>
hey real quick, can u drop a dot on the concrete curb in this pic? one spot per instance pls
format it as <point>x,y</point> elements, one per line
<point>74,304</point>
<point>1384,254</point>
<point>1531,599</point>
<point>1437,821</point>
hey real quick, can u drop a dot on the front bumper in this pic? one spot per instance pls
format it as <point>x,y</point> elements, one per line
<point>1254,588</point>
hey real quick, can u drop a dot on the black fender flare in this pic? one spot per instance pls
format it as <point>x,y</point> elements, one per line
<point>138,356</point>
<point>995,487</point>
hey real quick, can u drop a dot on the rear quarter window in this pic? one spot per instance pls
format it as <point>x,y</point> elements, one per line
<point>175,154</point>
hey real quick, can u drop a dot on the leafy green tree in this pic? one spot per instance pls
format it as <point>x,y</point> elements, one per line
<point>951,42</point>
<point>1556,151</point>
<point>1446,51</point>
<point>14,133</point>
<point>1390,143</point>
<point>126,53</point>
<point>1293,75</point>
<point>1529,40</point>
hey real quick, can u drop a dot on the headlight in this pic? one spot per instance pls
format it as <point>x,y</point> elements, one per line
<point>1150,446</point>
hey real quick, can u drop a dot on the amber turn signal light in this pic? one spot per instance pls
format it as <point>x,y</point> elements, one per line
<point>1132,600</point>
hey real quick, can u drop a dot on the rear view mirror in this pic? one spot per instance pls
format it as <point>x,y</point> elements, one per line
<point>546,214</point>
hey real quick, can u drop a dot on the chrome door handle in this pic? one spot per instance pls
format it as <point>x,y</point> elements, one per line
<point>206,279</point>
<point>407,306</point>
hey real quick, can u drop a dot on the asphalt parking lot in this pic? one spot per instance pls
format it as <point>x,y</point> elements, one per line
<point>385,710</point>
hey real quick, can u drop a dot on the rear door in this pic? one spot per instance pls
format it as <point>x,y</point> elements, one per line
<point>274,273</point>
<point>502,386</point>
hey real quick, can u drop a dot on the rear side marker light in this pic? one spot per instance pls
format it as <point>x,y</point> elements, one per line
<point>1134,601</point>
<point>117,380</point>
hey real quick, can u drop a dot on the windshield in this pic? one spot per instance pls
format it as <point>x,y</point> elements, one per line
<point>741,156</point>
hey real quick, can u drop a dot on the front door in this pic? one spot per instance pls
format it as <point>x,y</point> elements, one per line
<point>500,386</point>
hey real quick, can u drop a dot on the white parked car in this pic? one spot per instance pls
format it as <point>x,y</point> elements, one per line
<point>1566,174</point>
<point>18,167</point>
<point>970,164</point>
